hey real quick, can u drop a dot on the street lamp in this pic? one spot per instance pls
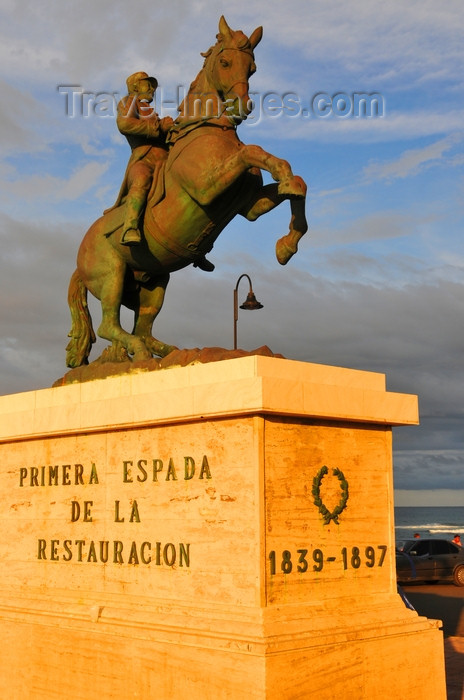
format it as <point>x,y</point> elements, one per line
<point>250,304</point>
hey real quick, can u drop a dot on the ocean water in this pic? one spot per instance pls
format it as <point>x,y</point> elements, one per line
<point>442,522</point>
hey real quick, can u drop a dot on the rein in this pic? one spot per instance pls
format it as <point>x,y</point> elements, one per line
<point>178,131</point>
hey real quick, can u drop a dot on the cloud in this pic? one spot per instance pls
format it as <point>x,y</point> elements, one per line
<point>86,41</point>
<point>412,161</point>
<point>436,497</point>
<point>380,225</point>
<point>384,41</point>
<point>30,57</point>
<point>57,189</point>
<point>355,42</point>
<point>18,111</point>
<point>444,469</point>
<point>394,125</point>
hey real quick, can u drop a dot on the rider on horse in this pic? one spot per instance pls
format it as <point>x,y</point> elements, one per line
<point>209,177</point>
<point>146,134</point>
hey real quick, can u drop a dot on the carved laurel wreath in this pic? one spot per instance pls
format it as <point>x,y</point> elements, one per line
<point>316,491</point>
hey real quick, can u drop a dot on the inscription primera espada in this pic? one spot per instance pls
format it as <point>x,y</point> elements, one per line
<point>132,471</point>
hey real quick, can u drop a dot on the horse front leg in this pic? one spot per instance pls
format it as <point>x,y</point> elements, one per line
<point>290,186</point>
<point>247,158</point>
<point>287,246</point>
<point>150,301</point>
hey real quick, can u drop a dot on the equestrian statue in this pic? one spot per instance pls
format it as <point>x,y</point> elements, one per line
<point>185,181</point>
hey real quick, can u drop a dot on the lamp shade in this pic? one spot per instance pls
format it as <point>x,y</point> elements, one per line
<point>251,303</point>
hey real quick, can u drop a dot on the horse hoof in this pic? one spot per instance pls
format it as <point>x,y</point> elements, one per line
<point>156,347</point>
<point>141,355</point>
<point>166,349</point>
<point>294,187</point>
<point>284,251</point>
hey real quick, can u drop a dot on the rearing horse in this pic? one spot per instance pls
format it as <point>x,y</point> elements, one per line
<point>210,176</point>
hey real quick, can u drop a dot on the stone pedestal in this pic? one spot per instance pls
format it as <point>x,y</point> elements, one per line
<point>213,531</point>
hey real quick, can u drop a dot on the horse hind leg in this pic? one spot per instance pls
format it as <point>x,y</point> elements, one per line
<point>150,301</point>
<point>111,292</point>
<point>81,333</point>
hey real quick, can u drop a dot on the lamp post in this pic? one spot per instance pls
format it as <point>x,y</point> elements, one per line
<point>250,304</point>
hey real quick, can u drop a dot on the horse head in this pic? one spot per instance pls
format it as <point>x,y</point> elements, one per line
<point>222,84</point>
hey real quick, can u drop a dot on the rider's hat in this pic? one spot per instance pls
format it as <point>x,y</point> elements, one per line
<point>132,80</point>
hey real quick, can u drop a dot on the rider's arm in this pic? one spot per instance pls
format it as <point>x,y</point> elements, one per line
<point>134,120</point>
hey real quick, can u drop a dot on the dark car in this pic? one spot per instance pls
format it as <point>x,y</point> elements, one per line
<point>429,560</point>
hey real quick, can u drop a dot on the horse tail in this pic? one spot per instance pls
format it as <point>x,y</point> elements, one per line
<point>81,333</point>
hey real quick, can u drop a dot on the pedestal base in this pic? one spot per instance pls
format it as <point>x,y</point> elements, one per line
<point>159,653</point>
<point>215,531</point>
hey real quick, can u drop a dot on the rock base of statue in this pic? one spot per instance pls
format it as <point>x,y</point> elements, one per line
<point>220,530</point>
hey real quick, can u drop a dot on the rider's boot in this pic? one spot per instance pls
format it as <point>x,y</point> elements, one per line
<point>131,236</point>
<point>135,203</point>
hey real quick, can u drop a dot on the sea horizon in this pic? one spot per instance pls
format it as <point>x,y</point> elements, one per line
<point>429,521</point>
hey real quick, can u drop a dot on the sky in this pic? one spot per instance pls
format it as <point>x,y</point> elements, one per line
<point>378,281</point>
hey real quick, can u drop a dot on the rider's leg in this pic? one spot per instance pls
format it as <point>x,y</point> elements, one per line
<point>139,182</point>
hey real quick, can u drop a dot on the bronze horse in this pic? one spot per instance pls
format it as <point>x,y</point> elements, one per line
<point>209,178</point>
